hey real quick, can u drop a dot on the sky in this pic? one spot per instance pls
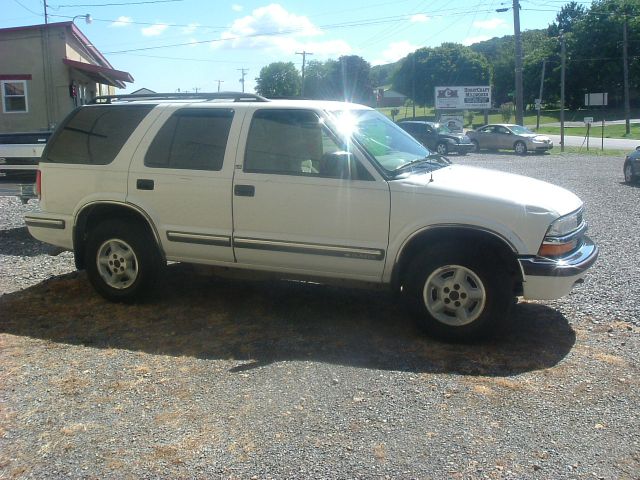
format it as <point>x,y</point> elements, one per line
<point>203,45</point>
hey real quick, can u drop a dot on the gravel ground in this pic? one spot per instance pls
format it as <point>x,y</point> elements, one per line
<point>242,379</point>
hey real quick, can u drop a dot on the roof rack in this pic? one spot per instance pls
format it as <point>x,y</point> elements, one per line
<point>234,96</point>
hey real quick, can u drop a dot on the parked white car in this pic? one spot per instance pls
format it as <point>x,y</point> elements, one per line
<point>303,189</point>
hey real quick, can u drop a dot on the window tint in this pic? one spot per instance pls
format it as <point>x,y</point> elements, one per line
<point>94,135</point>
<point>296,142</point>
<point>192,138</point>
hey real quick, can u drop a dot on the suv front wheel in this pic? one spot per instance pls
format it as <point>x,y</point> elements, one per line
<point>122,262</point>
<point>457,294</point>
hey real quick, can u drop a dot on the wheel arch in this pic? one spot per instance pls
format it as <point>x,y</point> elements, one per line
<point>92,214</point>
<point>483,240</point>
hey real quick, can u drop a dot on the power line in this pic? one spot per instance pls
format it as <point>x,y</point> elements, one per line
<point>375,21</point>
<point>114,4</point>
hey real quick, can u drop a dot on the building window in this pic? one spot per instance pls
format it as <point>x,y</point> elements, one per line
<point>14,96</point>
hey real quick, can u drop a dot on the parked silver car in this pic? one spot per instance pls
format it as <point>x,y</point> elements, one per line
<point>509,137</point>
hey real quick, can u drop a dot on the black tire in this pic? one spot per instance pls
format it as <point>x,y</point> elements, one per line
<point>127,248</point>
<point>442,148</point>
<point>520,148</point>
<point>629,176</point>
<point>438,307</point>
<point>476,146</point>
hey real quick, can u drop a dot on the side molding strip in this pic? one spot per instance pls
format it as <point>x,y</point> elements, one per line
<point>199,238</point>
<point>44,222</point>
<point>310,248</point>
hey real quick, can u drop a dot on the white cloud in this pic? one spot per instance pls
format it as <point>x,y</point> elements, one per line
<point>154,30</point>
<point>274,28</point>
<point>471,40</point>
<point>491,24</point>
<point>394,52</point>
<point>190,28</point>
<point>122,22</point>
<point>237,8</point>
<point>419,18</point>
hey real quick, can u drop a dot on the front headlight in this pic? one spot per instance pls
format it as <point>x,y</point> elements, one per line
<point>563,235</point>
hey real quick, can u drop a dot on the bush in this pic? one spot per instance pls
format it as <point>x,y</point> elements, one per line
<point>506,110</point>
<point>469,117</point>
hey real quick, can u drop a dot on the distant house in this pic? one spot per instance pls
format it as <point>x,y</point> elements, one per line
<point>46,71</point>
<point>143,91</point>
<point>389,98</point>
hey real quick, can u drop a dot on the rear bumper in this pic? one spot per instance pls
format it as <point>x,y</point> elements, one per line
<point>550,278</point>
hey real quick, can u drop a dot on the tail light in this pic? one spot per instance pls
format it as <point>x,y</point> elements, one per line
<point>39,184</point>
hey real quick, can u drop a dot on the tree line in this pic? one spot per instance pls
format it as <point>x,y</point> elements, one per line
<point>593,38</point>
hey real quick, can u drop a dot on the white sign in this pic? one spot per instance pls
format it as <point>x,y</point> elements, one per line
<point>596,99</point>
<point>588,120</point>
<point>463,98</point>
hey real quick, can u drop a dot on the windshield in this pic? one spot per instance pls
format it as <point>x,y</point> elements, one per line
<point>390,146</point>
<point>442,129</point>
<point>518,130</point>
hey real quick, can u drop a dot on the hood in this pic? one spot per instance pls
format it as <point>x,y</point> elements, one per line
<point>475,183</point>
<point>534,135</point>
<point>454,136</point>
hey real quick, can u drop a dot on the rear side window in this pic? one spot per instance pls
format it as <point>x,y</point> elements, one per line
<point>94,135</point>
<point>192,138</point>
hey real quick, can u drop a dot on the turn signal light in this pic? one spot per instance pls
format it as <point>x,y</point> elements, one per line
<point>556,249</point>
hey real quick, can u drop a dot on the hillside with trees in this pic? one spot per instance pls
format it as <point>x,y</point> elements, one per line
<point>594,38</point>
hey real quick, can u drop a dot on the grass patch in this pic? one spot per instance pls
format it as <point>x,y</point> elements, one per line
<point>610,131</point>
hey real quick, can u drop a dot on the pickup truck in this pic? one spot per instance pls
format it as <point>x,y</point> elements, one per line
<point>308,190</point>
<point>21,152</point>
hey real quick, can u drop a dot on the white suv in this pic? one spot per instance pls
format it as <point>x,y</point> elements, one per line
<point>307,190</point>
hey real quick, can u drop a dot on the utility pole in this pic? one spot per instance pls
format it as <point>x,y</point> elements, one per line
<point>518,61</point>
<point>304,54</point>
<point>413,83</point>
<point>625,59</point>
<point>219,82</point>
<point>539,106</point>
<point>563,57</point>
<point>46,69</point>
<point>244,73</point>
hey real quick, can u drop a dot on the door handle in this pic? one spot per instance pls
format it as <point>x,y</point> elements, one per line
<point>244,190</point>
<point>144,184</point>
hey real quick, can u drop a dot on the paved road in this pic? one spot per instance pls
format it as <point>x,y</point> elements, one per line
<point>595,143</point>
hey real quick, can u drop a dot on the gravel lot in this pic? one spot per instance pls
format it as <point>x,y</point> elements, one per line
<point>242,379</point>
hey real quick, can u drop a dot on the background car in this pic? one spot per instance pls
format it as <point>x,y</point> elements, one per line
<point>437,137</point>
<point>631,166</point>
<point>509,137</point>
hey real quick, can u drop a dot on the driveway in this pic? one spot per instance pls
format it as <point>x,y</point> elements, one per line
<point>595,142</point>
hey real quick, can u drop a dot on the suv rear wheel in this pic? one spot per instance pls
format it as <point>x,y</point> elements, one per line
<point>457,294</point>
<point>122,261</point>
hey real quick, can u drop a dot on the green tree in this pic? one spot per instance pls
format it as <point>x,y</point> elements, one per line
<point>449,64</point>
<point>279,79</point>
<point>349,79</point>
<point>567,18</point>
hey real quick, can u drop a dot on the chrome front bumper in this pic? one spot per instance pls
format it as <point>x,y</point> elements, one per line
<point>550,278</point>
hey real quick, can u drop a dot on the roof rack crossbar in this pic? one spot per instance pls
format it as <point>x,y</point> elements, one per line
<point>234,96</point>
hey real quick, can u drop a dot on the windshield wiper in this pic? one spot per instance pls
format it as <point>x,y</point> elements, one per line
<point>436,161</point>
